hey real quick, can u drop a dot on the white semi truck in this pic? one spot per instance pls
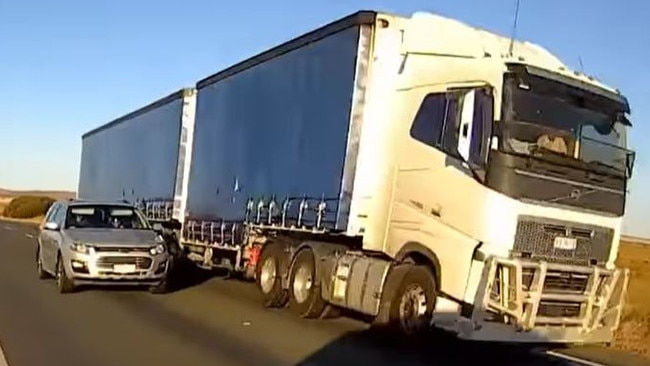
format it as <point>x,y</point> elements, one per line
<point>419,171</point>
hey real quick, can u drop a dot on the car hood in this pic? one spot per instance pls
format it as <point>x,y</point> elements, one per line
<point>117,237</point>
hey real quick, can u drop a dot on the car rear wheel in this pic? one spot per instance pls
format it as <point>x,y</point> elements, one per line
<point>42,274</point>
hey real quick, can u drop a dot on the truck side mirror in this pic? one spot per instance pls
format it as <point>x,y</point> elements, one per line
<point>466,124</point>
<point>475,129</point>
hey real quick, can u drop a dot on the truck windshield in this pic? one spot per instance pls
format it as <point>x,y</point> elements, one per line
<point>106,217</point>
<point>552,121</point>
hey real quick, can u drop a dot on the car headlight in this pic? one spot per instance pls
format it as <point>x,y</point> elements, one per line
<point>158,249</point>
<point>80,247</point>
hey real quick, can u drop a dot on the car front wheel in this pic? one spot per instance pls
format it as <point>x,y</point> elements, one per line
<point>63,282</point>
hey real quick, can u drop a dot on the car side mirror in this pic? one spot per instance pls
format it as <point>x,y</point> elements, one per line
<point>51,226</point>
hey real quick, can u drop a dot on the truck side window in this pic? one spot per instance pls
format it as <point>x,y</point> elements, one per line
<point>436,122</point>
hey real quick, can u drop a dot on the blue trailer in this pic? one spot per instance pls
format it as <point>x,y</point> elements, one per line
<point>276,139</point>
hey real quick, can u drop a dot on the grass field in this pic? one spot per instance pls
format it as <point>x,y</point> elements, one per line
<point>634,333</point>
<point>6,196</point>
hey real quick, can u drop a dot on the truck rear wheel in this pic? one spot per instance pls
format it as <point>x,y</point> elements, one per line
<point>409,300</point>
<point>269,276</point>
<point>304,291</point>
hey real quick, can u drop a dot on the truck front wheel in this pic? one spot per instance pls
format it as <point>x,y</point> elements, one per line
<point>269,278</point>
<point>304,290</point>
<point>409,299</point>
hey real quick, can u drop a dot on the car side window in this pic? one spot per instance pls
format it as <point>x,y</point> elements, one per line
<point>49,217</point>
<point>59,216</point>
<point>436,122</point>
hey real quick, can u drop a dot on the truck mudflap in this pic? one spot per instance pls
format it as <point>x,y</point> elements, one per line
<point>521,300</point>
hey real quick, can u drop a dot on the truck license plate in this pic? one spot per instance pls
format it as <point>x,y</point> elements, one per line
<point>124,268</point>
<point>563,243</point>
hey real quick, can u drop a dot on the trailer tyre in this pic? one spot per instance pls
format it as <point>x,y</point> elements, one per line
<point>304,291</point>
<point>408,301</point>
<point>269,278</point>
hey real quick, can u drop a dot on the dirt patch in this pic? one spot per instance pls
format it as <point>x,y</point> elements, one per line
<point>634,332</point>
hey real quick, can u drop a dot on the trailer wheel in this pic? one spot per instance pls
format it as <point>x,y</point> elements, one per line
<point>304,291</point>
<point>269,277</point>
<point>409,300</point>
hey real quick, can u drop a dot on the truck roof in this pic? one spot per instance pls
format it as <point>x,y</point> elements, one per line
<point>358,18</point>
<point>466,38</point>
<point>151,106</point>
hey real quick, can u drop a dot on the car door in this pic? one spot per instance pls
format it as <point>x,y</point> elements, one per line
<point>46,237</point>
<point>57,236</point>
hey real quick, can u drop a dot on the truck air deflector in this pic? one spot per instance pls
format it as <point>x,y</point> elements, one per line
<point>364,17</point>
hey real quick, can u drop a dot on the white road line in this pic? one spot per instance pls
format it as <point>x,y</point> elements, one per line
<point>577,360</point>
<point>8,228</point>
<point>3,359</point>
<point>29,236</point>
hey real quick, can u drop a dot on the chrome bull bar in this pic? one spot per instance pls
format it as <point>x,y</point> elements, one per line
<point>534,294</point>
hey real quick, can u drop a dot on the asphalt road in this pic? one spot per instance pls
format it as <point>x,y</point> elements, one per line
<point>214,322</point>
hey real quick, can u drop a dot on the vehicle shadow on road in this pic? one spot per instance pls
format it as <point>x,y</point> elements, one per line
<point>376,347</point>
<point>186,275</point>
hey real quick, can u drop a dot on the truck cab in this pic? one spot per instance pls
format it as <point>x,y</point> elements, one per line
<point>504,173</point>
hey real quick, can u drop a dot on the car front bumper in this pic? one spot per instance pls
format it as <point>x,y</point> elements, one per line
<point>117,268</point>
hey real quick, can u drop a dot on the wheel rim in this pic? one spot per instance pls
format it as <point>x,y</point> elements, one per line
<point>302,284</point>
<point>412,309</point>
<point>268,275</point>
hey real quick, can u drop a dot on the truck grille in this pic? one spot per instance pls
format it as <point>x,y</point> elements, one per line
<point>109,262</point>
<point>557,281</point>
<point>535,239</point>
<point>556,309</point>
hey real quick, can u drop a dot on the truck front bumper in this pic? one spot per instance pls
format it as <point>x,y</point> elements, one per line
<point>520,300</point>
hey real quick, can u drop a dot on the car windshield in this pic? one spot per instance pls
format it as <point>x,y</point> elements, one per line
<point>105,216</point>
<point>547,119</point>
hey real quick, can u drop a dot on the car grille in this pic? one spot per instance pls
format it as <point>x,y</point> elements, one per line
<point>100,249</point>
<point>535,238</point>
<point>109,262</point>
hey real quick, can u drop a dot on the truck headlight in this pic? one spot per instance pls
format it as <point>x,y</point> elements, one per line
<point>158,249</point>
<point>80,247</point>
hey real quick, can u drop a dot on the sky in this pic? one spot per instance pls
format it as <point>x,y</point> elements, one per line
<point>68,66</point>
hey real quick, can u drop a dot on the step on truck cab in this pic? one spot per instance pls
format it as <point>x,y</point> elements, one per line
<point>420,171</point>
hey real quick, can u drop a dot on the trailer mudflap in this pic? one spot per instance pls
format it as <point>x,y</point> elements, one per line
<point>537,301</point>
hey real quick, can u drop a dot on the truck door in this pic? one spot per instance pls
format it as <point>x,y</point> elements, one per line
<point>437,198</point>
